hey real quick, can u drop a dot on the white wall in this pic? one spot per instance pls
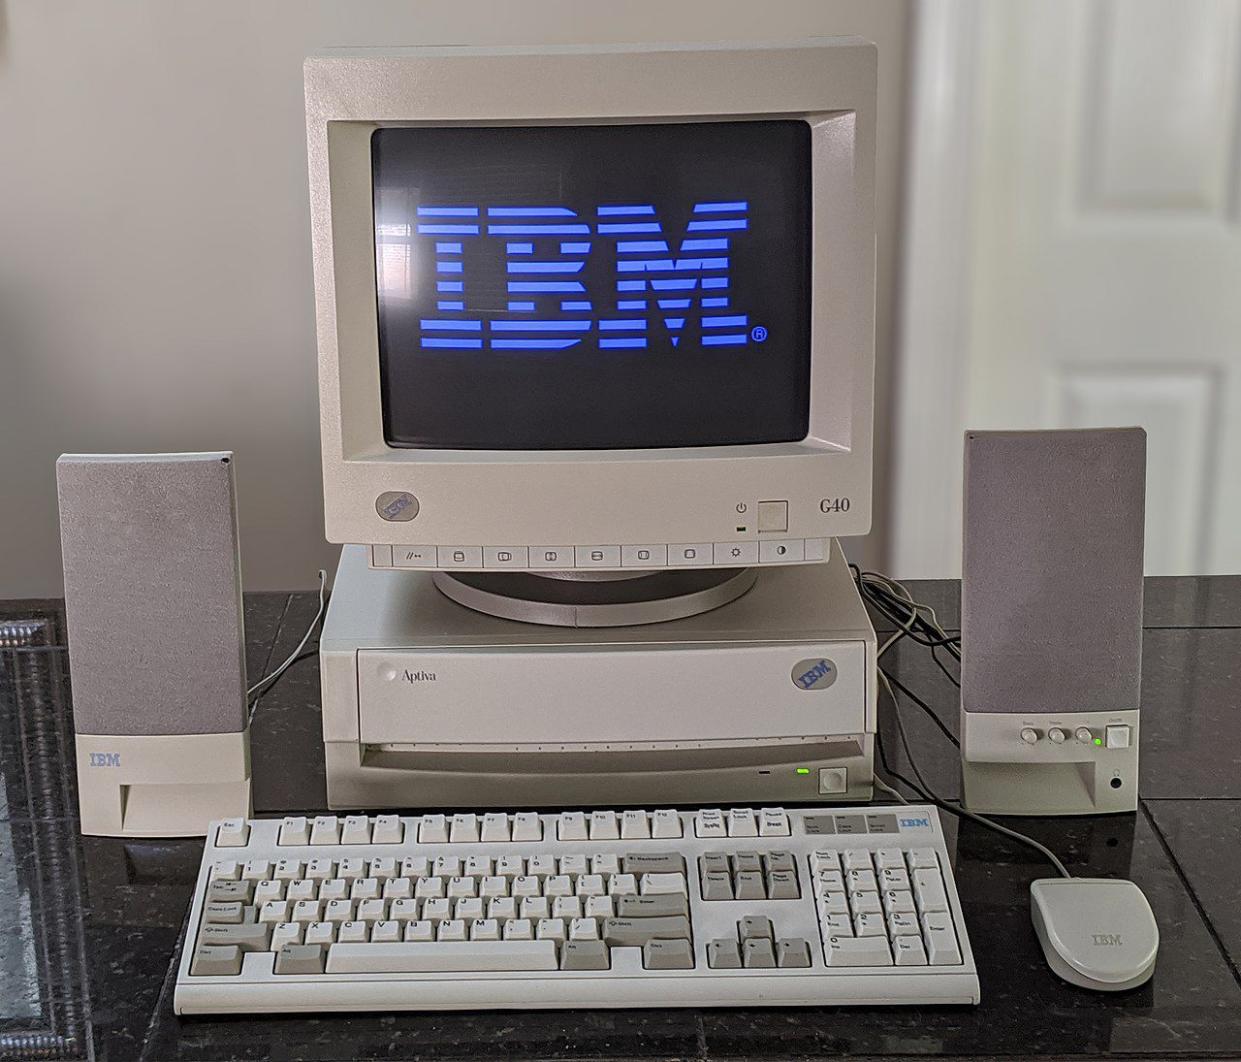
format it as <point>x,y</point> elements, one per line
<point>155,283</point>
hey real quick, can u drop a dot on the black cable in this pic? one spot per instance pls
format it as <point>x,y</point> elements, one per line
<point>943,667</point>
<point>893,773</point>
<point>923,705</point>
<point>907,617</point>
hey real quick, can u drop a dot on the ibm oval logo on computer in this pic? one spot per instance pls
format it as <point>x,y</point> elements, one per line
<point>396,505</point>
<point>814,674</point>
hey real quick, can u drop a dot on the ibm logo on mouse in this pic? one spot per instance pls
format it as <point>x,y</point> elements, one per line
<point>813,674</point>
<point>105,759</point>
<point>1106,940</point>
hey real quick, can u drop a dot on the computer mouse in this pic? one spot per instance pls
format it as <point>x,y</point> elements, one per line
<point>1098,933</point>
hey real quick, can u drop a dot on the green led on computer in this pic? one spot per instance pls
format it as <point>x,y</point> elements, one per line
<point>803,770</point>
<point>1098,741</point>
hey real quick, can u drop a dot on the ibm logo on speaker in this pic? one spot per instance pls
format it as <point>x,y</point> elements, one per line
<point>105,759</point>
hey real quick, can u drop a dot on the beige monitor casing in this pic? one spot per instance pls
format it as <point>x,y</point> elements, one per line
<point>473,505</point>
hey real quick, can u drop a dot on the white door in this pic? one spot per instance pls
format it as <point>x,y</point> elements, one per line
<point>1082,266</point>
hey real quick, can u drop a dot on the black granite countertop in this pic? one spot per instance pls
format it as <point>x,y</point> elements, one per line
<point>90,927</point>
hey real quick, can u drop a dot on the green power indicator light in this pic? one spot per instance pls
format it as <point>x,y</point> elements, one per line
<point>1098,741</point>
<point>803,770</point>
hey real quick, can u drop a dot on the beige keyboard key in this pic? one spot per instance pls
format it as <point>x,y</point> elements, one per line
<point>419,931</point>
<point>448,957</point>
<point>635,825</point>
<point>518,929</point>
<point>353,932</point>
<point>634,932</point>
<point>792,954</point>
<point>857,951</point>
<point>667,955</point>
<point>909,951</point>
<point>255,936</point>
<point>665,823</point>
<point>216,961</point>
<point>222,913</point>
<point>385,931</point>
<point>388,830</point>
<point>463,828</point>
<point>320,933</point>
<point>286,933</point>
<point>585,954</point>
<point>356,830</point>
<point>527,826</point>
<point>495,827</point>
<point>654,884</point>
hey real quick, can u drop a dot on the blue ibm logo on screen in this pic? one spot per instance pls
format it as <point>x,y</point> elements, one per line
<point>657,286</point>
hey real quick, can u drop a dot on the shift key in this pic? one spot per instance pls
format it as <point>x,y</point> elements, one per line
<point>634,932</point>
<point>253,937</point>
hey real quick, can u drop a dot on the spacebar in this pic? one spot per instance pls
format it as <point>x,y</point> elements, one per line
<point>450,955</point>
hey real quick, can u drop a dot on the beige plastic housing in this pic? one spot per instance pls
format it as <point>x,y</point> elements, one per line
<point>583,498</point>
<point>161,785</point>
<point>1038,764</point>
<point>429,704</point>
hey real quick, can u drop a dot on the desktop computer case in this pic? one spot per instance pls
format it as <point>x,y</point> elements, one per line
<point>769,699</point>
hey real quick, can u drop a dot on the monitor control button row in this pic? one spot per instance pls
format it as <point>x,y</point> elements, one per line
<point>651,555</point>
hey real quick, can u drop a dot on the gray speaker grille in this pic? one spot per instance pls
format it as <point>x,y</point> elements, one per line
<point>152,593</point>
<point>1051,593</point>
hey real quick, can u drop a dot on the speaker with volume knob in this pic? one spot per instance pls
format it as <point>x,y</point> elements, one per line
<point>156,645</point>
<point>1051,620</point>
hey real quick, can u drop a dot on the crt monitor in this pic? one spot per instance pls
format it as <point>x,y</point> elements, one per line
<point>595,308</point>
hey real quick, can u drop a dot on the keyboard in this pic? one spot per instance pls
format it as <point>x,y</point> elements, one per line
<point>738,907</point>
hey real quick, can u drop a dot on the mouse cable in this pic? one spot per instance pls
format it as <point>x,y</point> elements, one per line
<point>931,797</point>
<point>255,692</point>
<point>895,601</point>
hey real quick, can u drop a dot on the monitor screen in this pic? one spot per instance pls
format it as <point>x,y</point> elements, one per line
<point>593,287</point>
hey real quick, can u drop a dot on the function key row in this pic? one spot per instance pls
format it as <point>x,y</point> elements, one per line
<point>470,827</point>
<point>507,867</point>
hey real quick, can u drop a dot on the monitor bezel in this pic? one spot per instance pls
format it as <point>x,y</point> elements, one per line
<point>828,83</point>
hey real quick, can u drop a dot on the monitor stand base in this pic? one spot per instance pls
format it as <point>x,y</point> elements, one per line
<point>589,599</point>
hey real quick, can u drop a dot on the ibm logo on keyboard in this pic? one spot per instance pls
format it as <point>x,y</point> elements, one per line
<point>916,824</point>
<point>814,674</point>
<point>105,759</point>
<point>666,283</point>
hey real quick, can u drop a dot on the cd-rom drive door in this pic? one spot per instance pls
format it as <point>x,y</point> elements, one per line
<point>611,696</point>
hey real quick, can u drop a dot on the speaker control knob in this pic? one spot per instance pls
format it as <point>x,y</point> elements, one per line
<point>1029,735</point>
<point>1056,736</point>
<point>1083,734</point>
